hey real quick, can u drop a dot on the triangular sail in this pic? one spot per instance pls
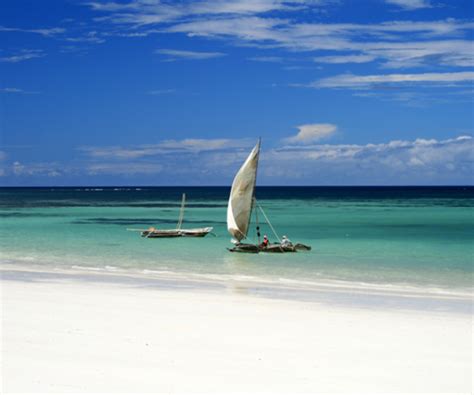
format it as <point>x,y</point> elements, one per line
<point>241,196</point>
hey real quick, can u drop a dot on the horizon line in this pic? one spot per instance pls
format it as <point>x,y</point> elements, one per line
<point>260,186</point>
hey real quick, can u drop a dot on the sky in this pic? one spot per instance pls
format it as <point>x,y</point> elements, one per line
<point>149,92</point>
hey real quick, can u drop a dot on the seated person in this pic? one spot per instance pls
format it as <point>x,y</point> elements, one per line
<point>286,242</point>
<point>264,243</point>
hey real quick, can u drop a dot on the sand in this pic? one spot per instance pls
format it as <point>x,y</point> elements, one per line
<point>66,335</point>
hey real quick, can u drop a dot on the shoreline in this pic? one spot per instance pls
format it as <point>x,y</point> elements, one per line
<point>330,292</point>
<point>99,332</point>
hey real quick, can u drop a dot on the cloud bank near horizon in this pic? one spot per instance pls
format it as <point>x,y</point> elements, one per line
<point>215,161</point>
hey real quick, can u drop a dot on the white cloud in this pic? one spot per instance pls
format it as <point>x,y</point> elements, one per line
<point>366,81</point>
<point>395,44</point>
<point>44,32</point>
<point>198,145</point>
<point>158,92</point>
<point>11,90</point>
<point>190,146</point>
<point>24,54</point>
<point>416,54</point>
<point>188,55</point>
<point>145,12</point>
<point>345,59</point>
<point>410,4</point>
<point>417,161</point>
<point>201,159</point>
<point>89,37</point>
<point>128,168</point>
<point>37,169</point>
<point>420,161</point>
<point>311,133</point>
<point>267,59</point>
<point>16,90</point>
<point>244,6</point>
<point>261,23</point>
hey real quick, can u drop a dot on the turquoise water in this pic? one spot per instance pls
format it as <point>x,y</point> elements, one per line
<point>397,236</point>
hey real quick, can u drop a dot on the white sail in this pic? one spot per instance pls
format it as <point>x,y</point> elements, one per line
<point>241,196</point>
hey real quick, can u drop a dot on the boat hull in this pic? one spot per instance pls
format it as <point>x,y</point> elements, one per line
<point>168,233</point>
<point>245,248</point>
<point>279,249</point>
<point>157,234</point>
<point>271,248</point>
<point>200,232</point>
<point>302,247</point>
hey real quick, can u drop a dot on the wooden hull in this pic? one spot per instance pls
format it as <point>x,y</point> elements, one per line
<point>157,234</point>
<point>272,248</point>
<point>245,248</point>
<point>277,248</point>
<point>302,247</point>
<point>200,232</point>
<point>168,233</point>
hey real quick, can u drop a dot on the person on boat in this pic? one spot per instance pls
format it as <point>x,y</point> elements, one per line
<point>264,242</point>
<point>286,242</point>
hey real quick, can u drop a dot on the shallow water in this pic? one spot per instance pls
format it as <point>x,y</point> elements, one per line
<point>398,236</point>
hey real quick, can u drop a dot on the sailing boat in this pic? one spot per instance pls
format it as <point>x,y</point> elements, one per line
<point>239,211</point>
<point>153,233</point>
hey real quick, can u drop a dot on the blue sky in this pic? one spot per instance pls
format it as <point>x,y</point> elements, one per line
<point>148,92</point>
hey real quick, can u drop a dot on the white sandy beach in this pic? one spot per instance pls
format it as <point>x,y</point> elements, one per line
<point>60,335</point>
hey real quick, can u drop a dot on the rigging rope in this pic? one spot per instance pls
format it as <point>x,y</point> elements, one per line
<point>269,223</point>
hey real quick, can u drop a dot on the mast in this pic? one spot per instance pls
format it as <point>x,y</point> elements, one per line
<point>257,223</point>
<point>254,200</point>
<point>181,212</point>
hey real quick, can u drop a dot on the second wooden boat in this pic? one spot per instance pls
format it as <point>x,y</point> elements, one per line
<point>156,233</point>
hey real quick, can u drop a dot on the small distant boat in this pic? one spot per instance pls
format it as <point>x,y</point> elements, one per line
<point>239,211</point>
<point>154,233</point>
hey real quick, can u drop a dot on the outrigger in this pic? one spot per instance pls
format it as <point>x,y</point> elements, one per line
<point>239,211</point>
<point>154,233</point>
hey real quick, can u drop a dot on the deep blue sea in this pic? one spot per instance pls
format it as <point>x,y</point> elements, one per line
<point>391,236</point>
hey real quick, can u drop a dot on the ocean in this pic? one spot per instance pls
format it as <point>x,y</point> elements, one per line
<point>375,236</point>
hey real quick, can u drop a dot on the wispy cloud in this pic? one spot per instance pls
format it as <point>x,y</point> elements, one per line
<point>168,157</point>
<point>159,92</point>
<point>24,54</point>
<point>199,145</point>
<point>16,90</point>
<point>366,81</point>
<point>174,54</point>
<point>266,59</point>
<point>129,168</point>
<point>166,147</point>
<point>91,37</point>
<point>11,90</point>
<point>37,169</point>
<point>311,133</point>
<point>394,44</point>
<point>345,59</point>
<point>410,4</point>
<point>270,24</point>
<point>46,32</point>
<point>145,12</point>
